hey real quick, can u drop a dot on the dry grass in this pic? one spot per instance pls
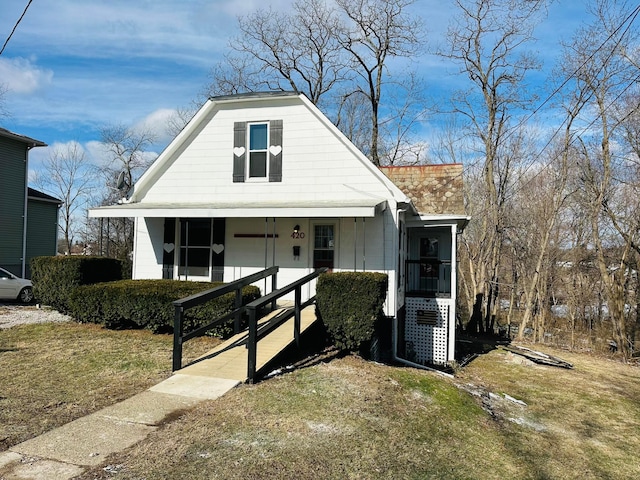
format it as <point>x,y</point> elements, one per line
<point>354,419</point>
<point>587,417</point>
<point>51,374</point>
<point>344,418</point>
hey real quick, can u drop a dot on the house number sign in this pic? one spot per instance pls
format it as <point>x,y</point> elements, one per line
<point>297,235</point>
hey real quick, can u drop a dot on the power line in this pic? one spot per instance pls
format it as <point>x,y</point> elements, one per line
<point>516,184</point>
<point>631,19</point>
<point>15,26</point>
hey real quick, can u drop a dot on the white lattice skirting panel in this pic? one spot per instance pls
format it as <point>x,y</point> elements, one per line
<point>426,333</point>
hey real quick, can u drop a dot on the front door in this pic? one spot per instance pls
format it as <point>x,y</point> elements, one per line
<point>324,246</point>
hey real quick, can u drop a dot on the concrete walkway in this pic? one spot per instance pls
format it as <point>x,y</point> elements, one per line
<point>71,449</point>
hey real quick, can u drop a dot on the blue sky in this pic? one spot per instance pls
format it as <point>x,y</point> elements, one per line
<point>74,66</point>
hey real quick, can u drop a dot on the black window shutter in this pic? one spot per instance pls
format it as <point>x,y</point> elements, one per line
<point>275,151</point>
<point>168,247</point>
<point>218,246</point>
<point>239,150</point>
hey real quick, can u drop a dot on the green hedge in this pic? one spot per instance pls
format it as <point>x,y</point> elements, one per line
<point>350,305</point>
<point>54,278</point>
<point>148,304</point>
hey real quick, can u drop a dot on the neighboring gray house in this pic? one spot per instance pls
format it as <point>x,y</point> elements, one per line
<point>28,218</point>
<point>42,226</point>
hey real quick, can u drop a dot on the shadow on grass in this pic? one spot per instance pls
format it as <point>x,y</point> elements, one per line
<point>315,348</point>
<point>469,347</point>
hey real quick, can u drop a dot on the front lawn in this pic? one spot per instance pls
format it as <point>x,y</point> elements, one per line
<point>348,418</point>
<point>53,373</point>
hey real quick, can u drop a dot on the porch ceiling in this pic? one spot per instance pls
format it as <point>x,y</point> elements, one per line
<point>308,208</point>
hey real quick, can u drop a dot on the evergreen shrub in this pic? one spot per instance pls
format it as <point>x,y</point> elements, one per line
<point>148,304</point>
<point>350,306</point>
<point>55,278</point>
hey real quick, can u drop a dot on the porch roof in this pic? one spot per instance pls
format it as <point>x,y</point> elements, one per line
<point>420,221</point>
<point>367,207</point>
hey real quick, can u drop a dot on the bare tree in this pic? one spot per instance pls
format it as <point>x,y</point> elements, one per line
<point>376,31</point>
<point>236,73</point>
<point>3,95</point>
<point>66,175</point>
<point>179,119</point>
<point>601,66</point>
<point>338,57</point>
<point>398,143</point>
<point>127,158</point>
<point>351,118</point>
<point>288,51</point>
<point>487,40</point>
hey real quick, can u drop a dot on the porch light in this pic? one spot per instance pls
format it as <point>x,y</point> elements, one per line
<point>296,229</point>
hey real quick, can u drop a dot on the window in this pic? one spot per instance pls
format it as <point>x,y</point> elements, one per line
<point>195,247</point>
<point>429,264</point>
<point>258,142</point>
<point>257,151</point>
<point>428,269</point>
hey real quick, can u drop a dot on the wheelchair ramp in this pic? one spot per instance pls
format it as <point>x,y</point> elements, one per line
<point>229,360</point>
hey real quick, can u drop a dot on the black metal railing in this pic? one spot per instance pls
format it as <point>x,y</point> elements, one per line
<point>182,305</point>
<point>253,310</point>
<point>428,277</point>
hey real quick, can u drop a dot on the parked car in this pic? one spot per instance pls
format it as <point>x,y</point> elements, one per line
<point>15,288</point>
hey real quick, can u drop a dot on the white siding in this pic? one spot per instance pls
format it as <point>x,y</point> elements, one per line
<point>317,164</point>
<point>147,257</point>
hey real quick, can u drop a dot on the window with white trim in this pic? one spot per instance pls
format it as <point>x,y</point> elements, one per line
<point>258,150</point>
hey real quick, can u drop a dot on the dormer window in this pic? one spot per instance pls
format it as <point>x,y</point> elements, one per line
<point>257,151</point>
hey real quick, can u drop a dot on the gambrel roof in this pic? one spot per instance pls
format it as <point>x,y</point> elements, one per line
<point>314,170</point>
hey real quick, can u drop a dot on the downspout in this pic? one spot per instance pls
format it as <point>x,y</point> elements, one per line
<point>451,348</point>
<point>23,260</point>
<point>273,259</point>
<point>186,250</point>
<point>394,333</point>
<point>55,248</point>
<point>422,367</point>
<point>394,327</point>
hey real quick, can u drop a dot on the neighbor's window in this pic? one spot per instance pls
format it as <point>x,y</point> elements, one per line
<point>258,144</point>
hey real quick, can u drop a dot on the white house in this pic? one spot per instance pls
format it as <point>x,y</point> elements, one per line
<point>263,179</point>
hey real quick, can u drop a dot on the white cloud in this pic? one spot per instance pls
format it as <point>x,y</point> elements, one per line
<point>156,123</point>
<point>23,77</point>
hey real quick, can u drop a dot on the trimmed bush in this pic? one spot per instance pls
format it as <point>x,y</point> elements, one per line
<point>54,278</point>
<point>148,304</point>
<point>350,305</point>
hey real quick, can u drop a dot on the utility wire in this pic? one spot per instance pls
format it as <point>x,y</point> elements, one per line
<point>15,26</point>
<point>511,190</point>
<point>516,185</point>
